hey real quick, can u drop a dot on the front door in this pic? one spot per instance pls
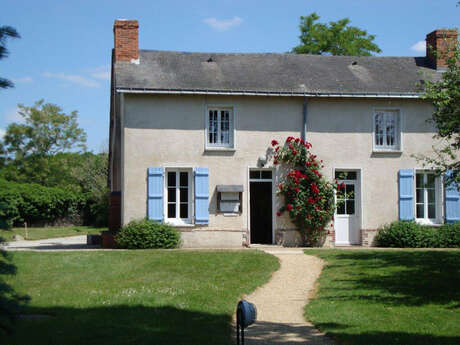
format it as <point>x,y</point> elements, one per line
<point>347,221</point>
<point>260,189</point>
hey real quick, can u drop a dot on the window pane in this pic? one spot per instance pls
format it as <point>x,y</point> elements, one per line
<point>171,179</point>
<point>379,129</point>
<point>212,126</point>
<point>340,207</point>
<point>183,179</point>
<point>171,210</point>
<point>432,211</point>
<point>419,181</point>
<point>184,210</point>
<point>420,211</point>
<point>224,126</point>
<point>390,129</point>
<point>430,180</point>
<point>254,174</point>
<point>266,174</point>
<point>431,196</point>
<point>184,195</point>
<point>171,194</point>
<point>350,190</point>
<point>350,207</point>
<point>419,198</point>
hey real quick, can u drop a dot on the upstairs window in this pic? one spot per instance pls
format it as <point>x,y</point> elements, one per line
<point>219,127</point>
<point>387,130</point>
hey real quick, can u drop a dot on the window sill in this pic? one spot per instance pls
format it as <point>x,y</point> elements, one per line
<point>428,222</point>
<point>220,149</point>
<point>180,224</point>
<point>386,151</point>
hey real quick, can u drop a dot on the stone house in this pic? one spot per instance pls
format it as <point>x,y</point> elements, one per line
<point>190,136</point>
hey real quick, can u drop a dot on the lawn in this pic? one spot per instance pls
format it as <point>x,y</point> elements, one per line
<point>134,297</point>
<point>388,297</point>
<point>49,232</point>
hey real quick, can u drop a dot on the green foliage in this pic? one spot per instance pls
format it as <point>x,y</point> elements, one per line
<point>33,203</point>
<point>445,97</point>
<point>145,234</point>
<point>6,32</point>
<point>47,130</point>
<point>335,38</point>
<point>409,234</point>
<point>308,197</point>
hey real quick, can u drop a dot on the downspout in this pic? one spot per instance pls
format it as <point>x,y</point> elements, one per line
<point>305,112</point>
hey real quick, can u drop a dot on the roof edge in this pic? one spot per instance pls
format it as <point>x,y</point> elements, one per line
<point>267,93</point>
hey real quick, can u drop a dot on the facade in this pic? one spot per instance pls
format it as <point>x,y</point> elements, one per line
<point>190,140</point>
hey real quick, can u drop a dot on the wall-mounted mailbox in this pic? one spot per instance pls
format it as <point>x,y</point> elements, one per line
<point>229,198</point>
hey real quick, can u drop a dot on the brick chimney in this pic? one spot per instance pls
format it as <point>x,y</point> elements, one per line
<point>126,40</point>
<point>439,47</point>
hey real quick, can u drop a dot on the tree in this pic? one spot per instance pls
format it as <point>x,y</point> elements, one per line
<point>335,38</point>
<point>6,32</point>
<point>445,97</point>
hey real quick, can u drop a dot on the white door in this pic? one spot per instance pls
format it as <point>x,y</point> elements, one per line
<point>347,222</point>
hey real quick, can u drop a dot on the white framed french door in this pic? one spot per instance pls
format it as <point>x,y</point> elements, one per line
<point>347,218</point>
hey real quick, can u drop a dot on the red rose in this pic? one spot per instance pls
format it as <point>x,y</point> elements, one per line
<point>294,152</point>
<point>274,143</point>
<point>280,186</point>
<point>289,139</point>
<point>297,189</point>
<point>278,214</point>
<point>291,147</point>
<point>297,140</point>
<point>290,207</point>
<point>277,148</point>
<point>275,162</point>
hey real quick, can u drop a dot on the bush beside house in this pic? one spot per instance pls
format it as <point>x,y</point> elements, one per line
<point>409,234</point>
<point>146,234</point>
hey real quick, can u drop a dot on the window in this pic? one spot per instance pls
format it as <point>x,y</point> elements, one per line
<point>387,130</point>
<point>346,197</point>
<point>219,127</point>
<point>427,198</point>
<point>179,196</point>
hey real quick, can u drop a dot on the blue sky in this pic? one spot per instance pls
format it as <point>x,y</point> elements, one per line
<point>64,53</point>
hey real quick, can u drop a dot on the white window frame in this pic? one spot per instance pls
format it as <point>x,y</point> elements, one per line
<point>231,132</point>
<point>438,199</point>
<point>397,147</point>
<point>177,221</point>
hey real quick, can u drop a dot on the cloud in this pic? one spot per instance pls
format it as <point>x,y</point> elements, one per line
<point>23,80</point>
<point>419,47</point>
<point>223,25</point>
<point>73,78</point>
<point>2,133</point>
<point>101,72</point>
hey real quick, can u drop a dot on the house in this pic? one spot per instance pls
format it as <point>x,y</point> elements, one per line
<point>190,136</point>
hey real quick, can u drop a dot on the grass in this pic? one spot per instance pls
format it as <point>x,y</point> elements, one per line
<point>49,232</point>
<point>388,297</point>
<point>134,297</point>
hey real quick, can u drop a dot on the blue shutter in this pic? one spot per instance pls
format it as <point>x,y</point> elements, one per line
<point>201,196</point>
<point>155,194</point>
<point>406,194</point>
<point>452,202</point>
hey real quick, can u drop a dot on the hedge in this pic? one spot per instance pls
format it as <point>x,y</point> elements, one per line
<point>409,234</point>
<point>33,203</point>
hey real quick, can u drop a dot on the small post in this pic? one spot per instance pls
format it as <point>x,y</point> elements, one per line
<point>26,233</point>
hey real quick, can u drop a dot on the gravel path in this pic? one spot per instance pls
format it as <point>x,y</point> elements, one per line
<point>280,302</point>
<point>50,244</point>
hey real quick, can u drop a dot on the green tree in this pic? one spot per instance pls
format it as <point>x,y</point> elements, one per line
<point>6,32</point>
<point>445,97</point>
<point>335,38</point>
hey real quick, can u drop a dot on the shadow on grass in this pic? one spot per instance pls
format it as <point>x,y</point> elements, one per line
<point>119,325</point>
<point>412,278</point>
<point>387,337</point>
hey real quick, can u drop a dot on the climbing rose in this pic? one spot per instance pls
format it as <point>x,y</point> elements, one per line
<point>289,207</point>
<point>274,143</point>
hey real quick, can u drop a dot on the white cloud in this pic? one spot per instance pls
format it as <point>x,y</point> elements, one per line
<point>2,133</point>
<point>23,80</point>
<point>12,115</point>
<point>224,24</point>
<point>73,78</point>
<point>101,72</point>
<point>419,47</point>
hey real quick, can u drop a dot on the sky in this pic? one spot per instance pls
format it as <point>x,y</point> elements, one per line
<point>63,55</point>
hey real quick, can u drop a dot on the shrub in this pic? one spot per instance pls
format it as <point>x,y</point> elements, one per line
<point>145,234</point>
<point>33,203</point>
<point>409,234</point>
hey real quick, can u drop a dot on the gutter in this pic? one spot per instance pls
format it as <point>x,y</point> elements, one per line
<point>265,93</point>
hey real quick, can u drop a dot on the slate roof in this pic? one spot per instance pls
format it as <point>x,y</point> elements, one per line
<point>273,73</point>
